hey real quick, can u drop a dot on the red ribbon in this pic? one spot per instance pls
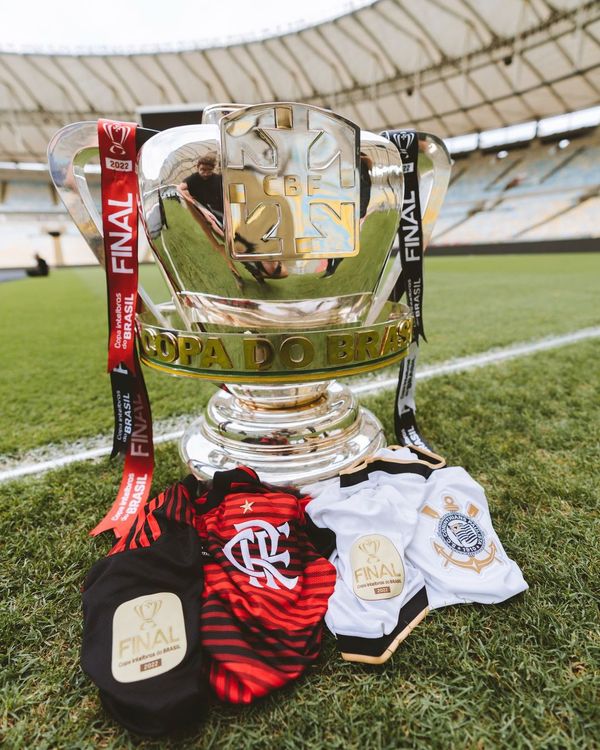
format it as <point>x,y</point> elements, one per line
<point>133,419</point>
<point>120,222</point>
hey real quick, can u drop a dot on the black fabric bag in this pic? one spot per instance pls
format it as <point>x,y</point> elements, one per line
<point>141,640</point>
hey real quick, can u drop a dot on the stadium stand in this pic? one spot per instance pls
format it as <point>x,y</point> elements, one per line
<point>533,192</point>
<point>538,191</point>
<point>33,220</point>
<point>447,69</point>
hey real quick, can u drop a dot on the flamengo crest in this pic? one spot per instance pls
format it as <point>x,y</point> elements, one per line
<point>263,566</point>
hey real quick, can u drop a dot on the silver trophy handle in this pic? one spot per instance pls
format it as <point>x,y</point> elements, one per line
<point>434,175</point>
<point>69,151</point>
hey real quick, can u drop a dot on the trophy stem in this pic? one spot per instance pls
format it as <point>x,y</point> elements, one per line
<point>261,397</point>
<point>319,431</point>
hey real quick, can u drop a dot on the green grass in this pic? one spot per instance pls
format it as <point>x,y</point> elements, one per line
<point>53,385</point>
<point>476,303</point>
<point>523,674</point>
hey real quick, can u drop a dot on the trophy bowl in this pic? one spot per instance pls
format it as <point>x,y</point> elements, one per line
<point>274,228</point>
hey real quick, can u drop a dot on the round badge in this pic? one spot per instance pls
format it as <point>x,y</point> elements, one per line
<point>461,534</point>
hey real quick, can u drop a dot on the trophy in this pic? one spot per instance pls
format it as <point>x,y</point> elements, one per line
<point>274,228</point>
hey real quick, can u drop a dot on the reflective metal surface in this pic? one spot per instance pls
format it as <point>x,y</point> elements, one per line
<point>71,149</point>
<point>327,435</point>
<point>274,356</point>
<point>282,215</point>
<point>272,223</point>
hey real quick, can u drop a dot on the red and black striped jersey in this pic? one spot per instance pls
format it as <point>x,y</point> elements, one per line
<point>266,590</point>
<point>215,582</point>
<point>173,505</point>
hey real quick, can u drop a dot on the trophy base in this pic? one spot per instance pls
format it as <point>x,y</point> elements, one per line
<point>294,444</point>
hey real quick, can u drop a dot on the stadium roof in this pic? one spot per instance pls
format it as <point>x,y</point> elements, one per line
<point>446,66</point>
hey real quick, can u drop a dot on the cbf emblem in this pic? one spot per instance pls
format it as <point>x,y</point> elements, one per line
<point>261,569</point>
<point>291,182</point>
<point>460,533</point>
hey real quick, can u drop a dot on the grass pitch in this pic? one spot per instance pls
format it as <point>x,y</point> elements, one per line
<point>523,674</point>
<point>53,382</point>
<point>518,675</point>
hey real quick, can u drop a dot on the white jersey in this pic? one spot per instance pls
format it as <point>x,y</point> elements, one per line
<point>402,520</point>
<point>379,595</point>
<point>456,547</point>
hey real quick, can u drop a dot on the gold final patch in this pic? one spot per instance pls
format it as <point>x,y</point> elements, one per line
<point>148,637</point>
<point>377,568</point>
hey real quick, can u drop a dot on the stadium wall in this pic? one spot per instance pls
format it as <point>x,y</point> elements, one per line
<point>583,245</point>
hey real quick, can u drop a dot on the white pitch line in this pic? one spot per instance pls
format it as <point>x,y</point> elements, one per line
<point>474,361</point>
<point>359,387</point>
<point>67,458</point>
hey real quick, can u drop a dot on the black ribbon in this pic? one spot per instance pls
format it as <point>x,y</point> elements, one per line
<point>410,283</point>
<point>123,389</point>
<point>410,230</point>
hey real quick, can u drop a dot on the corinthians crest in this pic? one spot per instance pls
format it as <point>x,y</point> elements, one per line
<point>460,533</point>
<point>291,183</point>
